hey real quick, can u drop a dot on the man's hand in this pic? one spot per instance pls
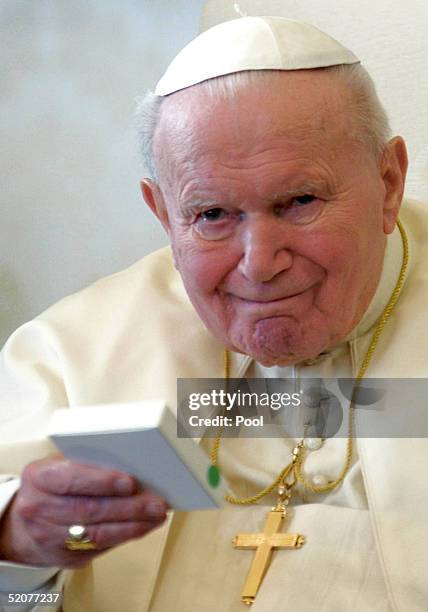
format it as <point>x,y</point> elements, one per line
<point>56,493</point>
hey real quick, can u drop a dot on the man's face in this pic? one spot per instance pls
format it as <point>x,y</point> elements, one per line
<point>275,213</point>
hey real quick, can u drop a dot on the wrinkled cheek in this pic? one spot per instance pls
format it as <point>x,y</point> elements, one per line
<point>199,284</point>
<point>201,275</point>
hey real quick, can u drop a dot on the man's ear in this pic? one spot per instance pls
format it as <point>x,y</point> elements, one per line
<point>154,198</point>
<point>393,171</point>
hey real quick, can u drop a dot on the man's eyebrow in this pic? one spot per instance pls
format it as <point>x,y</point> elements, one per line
<point>198,203</point>
<point>306,187</point>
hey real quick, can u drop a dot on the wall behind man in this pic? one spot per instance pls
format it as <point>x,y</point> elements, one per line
<point>70,206</point>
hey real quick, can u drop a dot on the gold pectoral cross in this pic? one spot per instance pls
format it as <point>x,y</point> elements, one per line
<point>265,543</point>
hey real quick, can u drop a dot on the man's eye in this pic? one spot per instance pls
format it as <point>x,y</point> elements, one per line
<point>300,209</point>
<point>215,223</point>
<point>213,214</point>
<point>307,198</point>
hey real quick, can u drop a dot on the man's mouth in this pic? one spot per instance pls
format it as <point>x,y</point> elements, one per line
<point>269,299</point>
<point>264,300</point>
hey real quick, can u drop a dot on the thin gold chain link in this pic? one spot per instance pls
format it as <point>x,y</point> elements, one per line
<point>296,464</point>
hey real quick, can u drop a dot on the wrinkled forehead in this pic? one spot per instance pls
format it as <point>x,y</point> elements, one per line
<point>243,112</point>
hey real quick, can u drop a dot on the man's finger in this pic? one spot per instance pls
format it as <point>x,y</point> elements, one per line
<point>62,510</point>
<point>63,477</point>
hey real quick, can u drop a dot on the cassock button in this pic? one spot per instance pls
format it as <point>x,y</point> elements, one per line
<point>313,443</point>
<point>319,480</point>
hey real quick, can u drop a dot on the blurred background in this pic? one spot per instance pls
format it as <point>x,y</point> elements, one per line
<point>70,206</point>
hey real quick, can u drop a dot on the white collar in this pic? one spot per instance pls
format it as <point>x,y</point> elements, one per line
<point>392,263</point>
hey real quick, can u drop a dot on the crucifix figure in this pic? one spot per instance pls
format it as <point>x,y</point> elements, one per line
<point>265,543</point>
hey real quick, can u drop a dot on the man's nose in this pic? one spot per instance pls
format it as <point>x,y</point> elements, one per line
<point>265,252</point>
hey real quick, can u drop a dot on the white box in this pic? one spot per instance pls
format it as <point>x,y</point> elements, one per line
<point>139,438</point>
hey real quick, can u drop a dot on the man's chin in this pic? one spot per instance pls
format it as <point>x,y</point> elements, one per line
<point>273,342</point>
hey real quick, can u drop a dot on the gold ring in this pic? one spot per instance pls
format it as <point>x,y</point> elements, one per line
<point>78,539</point>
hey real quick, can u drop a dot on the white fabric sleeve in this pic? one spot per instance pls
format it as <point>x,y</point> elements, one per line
<point>30,388</point>
<point>16,577</point>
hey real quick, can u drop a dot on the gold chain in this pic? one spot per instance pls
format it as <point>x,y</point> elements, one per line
<point>296,464</point>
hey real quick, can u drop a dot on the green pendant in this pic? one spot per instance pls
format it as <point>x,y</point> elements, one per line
<point>213,475</point>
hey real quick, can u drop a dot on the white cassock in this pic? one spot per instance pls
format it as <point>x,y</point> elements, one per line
<point>129,337</point>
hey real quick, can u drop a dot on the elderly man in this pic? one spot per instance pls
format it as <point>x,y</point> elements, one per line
<point>275,177</point>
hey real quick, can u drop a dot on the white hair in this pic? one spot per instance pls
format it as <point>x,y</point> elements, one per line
<point>371,124</point>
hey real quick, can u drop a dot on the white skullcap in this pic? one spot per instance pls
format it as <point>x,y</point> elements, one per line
<point>252,43</point>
